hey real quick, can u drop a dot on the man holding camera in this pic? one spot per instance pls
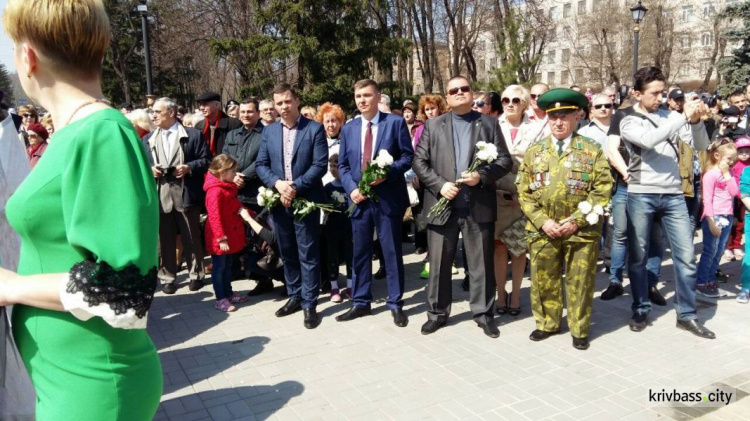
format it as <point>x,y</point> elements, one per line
<point>656,190</point>
<point>180,158</point>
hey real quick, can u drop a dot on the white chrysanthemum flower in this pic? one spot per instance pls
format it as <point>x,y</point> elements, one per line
<point>482,155</point>
<point>584,207</point>
<point>384,159</point>
<point>598,209</point>
<point>261,200</point>
<point>482,144</point>
<point>491,150</point>
<point>592,218</point>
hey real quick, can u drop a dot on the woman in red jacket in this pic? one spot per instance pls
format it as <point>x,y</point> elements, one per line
<point>225,233</point>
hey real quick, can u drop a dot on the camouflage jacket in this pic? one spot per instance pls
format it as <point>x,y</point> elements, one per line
<point>551,187</point>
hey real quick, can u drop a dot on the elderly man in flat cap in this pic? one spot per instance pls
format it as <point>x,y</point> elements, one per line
<point>563,185</point>
<point>216,124</point>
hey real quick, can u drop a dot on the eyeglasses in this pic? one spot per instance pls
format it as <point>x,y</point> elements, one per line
<point>507,101</point>
<point>28,115</point>
<point>479,103</point>
<point>464,89</point>
<point>535,96</point>
<point>600,106</point>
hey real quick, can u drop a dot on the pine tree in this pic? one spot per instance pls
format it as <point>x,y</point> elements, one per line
<point>735,69</point>
<point>5,85</point>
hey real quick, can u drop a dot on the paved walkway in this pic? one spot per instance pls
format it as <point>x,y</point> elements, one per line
<point>250,365</point>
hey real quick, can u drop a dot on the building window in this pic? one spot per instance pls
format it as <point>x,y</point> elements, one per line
<point>565,78</point>
<point>685,42</point>
<point>553,12</point>
<point>707,39</point>
<point>552,34</point>
<point>565,55</point>
<point>551,78</point>
<point>582,7</point>
<point>567,9</point>
<point>687,13</point>
<point>551,57</point>
<point>579,75</point>
<point>708,10</point>
<point>597,5</point>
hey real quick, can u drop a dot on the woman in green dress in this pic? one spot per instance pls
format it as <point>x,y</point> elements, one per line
<point>87,216</point>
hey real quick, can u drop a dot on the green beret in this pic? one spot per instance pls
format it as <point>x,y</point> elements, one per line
<point>559,99</point>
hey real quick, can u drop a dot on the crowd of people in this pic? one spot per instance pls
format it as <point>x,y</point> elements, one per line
<point>112,206</point>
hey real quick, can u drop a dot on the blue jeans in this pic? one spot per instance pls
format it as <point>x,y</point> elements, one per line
<point>221,275</point>
<point>643,210</point>
<point>620,242</point>
<point>713,247</point>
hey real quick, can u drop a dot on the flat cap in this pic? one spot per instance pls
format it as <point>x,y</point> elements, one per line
<point>208,96</point>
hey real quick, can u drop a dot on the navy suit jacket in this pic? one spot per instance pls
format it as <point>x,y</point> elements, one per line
<point>309,158</point>
<point>393,136</point>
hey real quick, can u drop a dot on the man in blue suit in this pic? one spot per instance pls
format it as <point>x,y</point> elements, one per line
<point>293,158</point>
<point>361,141</point>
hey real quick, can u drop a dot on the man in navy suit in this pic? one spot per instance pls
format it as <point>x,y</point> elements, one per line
<point>293,158</point>
<point>361,141</point>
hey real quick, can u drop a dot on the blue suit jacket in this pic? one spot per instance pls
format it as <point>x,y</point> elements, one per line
<point>309,158</point>
<point>393,136</point>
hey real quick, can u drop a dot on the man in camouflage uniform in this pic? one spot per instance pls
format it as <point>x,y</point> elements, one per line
<point>557,174</point>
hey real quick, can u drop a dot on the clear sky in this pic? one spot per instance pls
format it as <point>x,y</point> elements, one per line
<point>6,46</point>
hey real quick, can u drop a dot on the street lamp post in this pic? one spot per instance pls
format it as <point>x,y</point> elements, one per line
<point>638,12</point>
<point>142,8</point>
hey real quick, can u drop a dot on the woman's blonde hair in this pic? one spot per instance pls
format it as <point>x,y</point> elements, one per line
<point>221,163</point>
<point>46,120</point>
<point>139,118</point>
<point>73,34</point>
<point>721,145</point>
<point>23,109</point>
<point>519,90</point>
<point>309,109</point>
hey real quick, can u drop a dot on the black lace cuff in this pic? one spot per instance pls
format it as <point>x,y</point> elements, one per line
<point>122,289</point>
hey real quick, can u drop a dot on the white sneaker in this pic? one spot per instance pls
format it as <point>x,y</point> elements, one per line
<point>728,255</point>
<point>743,296</point>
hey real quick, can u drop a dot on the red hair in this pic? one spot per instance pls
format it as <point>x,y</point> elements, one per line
<point>330,108</point>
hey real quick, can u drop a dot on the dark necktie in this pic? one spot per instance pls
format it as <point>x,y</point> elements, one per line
<point>367,153</point>
<point>560,145</point>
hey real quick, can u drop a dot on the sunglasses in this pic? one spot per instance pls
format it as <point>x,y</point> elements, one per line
<point>600,106</point>
<point>464,89</point>
<point>535,96</point>
<point>28,115</point>
<point>507,101</point>
<point>479,103</point>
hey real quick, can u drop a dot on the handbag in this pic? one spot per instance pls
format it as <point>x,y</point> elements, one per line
<point>17,396</point>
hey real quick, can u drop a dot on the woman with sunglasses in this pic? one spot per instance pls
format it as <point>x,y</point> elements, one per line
<point>480,103</point>
<point>519,132</point>
<point>601,115</point>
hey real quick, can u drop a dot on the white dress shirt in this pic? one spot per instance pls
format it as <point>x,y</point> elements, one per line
<point>169,138</point>
<point>375,120</point>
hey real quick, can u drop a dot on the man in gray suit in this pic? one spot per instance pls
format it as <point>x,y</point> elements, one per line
<point>180,158</point>
<point>447,149</point>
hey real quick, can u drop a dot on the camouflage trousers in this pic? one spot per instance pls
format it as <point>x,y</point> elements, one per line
<point>548,258</point>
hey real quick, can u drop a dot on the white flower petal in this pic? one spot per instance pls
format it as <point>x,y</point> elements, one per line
<point>584,207</point>
<point>598,209</point>
<point>592,218</point>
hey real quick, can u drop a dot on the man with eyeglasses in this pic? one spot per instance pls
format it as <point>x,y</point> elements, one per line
<point>446,150</point>
<point>563,180</point>
<point>535,113</point>
<point>601,115</point>
<point>268,114</point>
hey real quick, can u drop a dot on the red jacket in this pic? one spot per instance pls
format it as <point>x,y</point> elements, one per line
<point>224,221</point>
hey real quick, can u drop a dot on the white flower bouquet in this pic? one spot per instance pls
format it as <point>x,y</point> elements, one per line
<point>378,168</point>
<point>486,154</point>
<point>268,198</point>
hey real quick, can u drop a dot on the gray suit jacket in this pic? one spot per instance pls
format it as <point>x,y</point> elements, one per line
<point>435,164</point>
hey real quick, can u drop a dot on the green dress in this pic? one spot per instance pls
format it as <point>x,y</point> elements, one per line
<point>91,196</point>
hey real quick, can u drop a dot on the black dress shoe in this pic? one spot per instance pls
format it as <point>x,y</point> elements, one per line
<point>291,306</point>
<point>490,329</point>
<point>399,317</point>
<point>195,284</point>
<point>613,291</point>
<point>581,343</point>
<point>655,296</point>
<point>353,313</point>
<point>540,335</point>
<point>638,322</point>
<point>311,318</point>
<point>263,287</point>
<point>432,326</point>
<point>170,288</point>
<point>696,328</point>
<point>380,274</point>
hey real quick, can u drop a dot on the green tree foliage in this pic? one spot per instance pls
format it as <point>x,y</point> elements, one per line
<point>6,85</point>
<point>735,69</point>
<point>325,45</point>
